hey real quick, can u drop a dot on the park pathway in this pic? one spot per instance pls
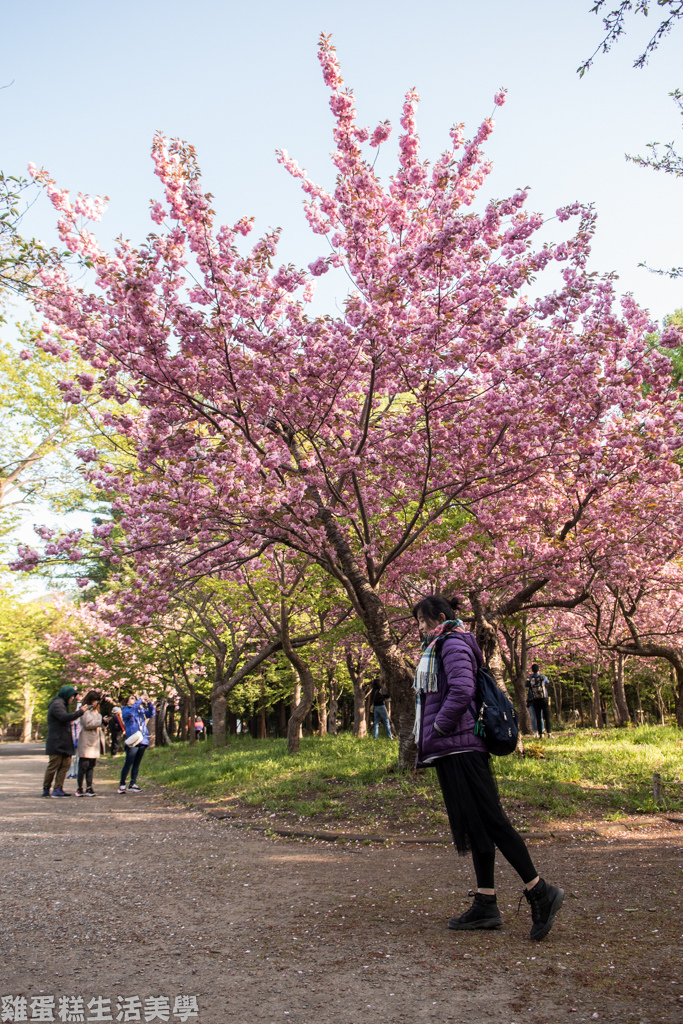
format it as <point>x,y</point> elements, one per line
<point>134,900</point>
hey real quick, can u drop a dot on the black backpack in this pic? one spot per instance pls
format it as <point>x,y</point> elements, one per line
<point>537,686</point>
<point>496,719</point>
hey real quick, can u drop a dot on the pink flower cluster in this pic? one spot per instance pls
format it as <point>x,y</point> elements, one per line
<point>451,423</point>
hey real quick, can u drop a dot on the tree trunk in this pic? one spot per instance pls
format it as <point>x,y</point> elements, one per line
<point>296,698</point>
<point>301,709</point>
<point>184,707</point>
<point>396,669</point>
<point>670,654</point>
<point>557,692</point>
<point>162,738</point>
<point>519,683</point>
<point>615,705</point>
<point>660,702</point>
<point>29,702</point>
<point>307,683</point>
<point>359,720</point>
<point>357,674</point>
<point>282,718</point>
<point>218,698</point>
<point>218,710</point>
<point>596,702</point>
<point>486,633</point>
<point>679,700</point>
<point>193,715</point>
<point>262,728</point>
<point>620,691</point>
<point>334,704</point>
<point>153,733</point>
<point>641,716</point>
<point>321,699</point>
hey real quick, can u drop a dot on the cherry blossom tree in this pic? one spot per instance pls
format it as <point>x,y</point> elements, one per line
<point>442,387</point>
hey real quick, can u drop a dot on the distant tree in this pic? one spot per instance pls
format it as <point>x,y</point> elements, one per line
<point>39,432</point>
<point>30,672</point>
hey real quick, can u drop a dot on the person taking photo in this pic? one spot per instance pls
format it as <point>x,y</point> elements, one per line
<point>135,713</point>
<point>59,744</point>
<point>90,742</point>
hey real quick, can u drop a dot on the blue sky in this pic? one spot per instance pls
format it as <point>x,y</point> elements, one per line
<point>92,81</point>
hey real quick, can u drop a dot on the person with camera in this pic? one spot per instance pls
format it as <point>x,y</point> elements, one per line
<point>135,713</point>
<point>59,745</point>
<point>90,742</point>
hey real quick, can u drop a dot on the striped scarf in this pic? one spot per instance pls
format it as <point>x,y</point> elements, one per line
<point>427,672</point>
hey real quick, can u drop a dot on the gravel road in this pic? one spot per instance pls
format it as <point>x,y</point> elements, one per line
<point>132,899</point>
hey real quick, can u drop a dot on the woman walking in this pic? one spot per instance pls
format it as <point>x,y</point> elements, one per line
<point>135,713</point>
<point>445,685</point>
<point>90,742</point>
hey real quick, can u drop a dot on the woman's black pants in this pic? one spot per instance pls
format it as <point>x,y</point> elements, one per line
<point>86,766</point>
<point>477,820</point>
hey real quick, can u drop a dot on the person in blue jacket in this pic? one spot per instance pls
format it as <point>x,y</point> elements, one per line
<point>445,688</point>
<point>135,713</point>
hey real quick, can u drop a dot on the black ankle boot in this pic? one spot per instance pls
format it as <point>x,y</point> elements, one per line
<point>483,913</point>
<point>545,901</point>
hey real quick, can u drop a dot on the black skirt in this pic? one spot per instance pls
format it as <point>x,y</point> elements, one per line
<point>471,797</point>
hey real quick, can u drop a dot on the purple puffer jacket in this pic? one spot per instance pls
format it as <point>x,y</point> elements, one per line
<point>447,724</point>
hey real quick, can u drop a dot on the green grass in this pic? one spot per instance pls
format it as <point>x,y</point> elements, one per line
<point>343,781</point>
<point>606,771</point>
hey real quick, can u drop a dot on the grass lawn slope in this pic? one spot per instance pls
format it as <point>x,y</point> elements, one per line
<point>342,783</point>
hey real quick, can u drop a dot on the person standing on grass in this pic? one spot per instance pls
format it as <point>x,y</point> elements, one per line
<point>90,742</point>
<point>445,687</point>
<point>59,744</point>
<point>537,687</point>
<point>378,698</point>
<point>135,713</point>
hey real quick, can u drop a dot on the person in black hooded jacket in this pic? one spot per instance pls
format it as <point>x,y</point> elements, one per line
<point>59,745</point>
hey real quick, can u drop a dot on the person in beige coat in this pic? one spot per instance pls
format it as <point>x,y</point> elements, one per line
<point>90,742</point>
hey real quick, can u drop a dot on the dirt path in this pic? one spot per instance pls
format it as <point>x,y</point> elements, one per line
<point>126,896</point>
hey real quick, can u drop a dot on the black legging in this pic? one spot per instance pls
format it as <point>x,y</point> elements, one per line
<point>86,766</point>
<point>458,794</point>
